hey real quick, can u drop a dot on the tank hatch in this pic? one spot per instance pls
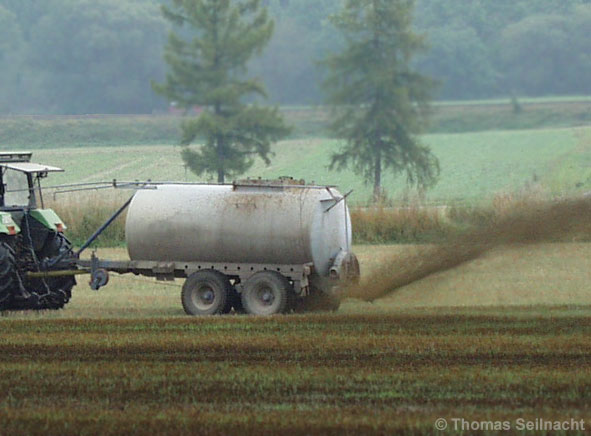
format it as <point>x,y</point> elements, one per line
<point>281,181</point>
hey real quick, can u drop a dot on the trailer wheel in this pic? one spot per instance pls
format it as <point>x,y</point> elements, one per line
<point>267,293</point>
<point>8,279</point>
<point>205,293</point>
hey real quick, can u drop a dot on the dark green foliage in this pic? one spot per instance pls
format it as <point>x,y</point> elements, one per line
<point>380,102</point>
<point>110,59</point>
<point>462,62</point>
<point>302,37</point>
<point>549,52</point>
<point>53,57</point>
<point>87,56</point>
<point>207,69</point>
<point>470,46</point>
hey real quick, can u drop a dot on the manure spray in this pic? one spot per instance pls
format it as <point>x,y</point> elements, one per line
<point>535,223</point>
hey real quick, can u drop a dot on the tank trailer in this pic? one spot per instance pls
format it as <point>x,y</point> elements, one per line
<point>255,246</point>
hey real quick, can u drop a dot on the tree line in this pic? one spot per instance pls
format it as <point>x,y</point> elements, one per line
<point>99,56</point>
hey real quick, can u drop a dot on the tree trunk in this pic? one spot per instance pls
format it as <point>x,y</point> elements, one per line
<point>219,142</point>
<point>377,180</point>
<point>220,152</point>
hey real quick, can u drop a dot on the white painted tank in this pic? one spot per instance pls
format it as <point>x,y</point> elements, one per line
<point>268,224</point>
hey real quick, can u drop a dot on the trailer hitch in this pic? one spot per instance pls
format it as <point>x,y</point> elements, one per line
<point>99,277</point>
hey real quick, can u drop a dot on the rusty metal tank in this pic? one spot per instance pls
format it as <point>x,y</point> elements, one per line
<point>240,223</point>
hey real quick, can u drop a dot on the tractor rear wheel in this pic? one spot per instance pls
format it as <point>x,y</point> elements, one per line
<point>60,288</point>
<point>8,275</point>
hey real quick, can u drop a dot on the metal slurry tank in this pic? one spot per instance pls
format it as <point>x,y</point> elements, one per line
<point>239,224</point>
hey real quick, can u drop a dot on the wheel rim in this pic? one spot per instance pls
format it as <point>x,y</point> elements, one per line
<point>264,299</point>
<point>203,297</point>
<point>265,295</point>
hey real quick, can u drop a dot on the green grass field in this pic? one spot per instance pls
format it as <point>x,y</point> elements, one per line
<point>474,166</point>
<point>501,338</point>
<point>307,121</point>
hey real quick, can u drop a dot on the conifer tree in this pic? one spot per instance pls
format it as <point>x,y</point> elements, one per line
<point>380,103</point>
<point>207,53</point>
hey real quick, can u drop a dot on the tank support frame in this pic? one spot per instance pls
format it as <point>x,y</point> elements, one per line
<point>169,271</point>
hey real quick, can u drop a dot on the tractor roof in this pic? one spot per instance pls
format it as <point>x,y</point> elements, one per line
<point>29,167</point>
<point>15,156</point>
<point>21,161</point>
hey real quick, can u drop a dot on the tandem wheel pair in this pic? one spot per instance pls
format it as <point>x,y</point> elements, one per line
<point>210,292</point>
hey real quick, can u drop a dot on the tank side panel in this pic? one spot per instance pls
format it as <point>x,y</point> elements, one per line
<point>218,224</point>
<point>263,226</point>
<point>163,224</point>
<point>331,231</point>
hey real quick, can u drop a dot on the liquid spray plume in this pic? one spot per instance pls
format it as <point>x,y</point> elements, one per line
<point>535,223</point>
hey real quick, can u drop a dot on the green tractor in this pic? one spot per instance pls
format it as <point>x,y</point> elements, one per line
<point>30,235</point>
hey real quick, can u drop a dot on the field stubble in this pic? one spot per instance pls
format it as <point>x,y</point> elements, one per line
<point>126,361</point>
<point>315,374</point>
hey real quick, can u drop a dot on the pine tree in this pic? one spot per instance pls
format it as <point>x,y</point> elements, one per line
<point>380,104</point>
<point>207,55</point>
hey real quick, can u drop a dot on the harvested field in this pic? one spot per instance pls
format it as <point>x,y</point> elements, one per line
<point>500,338</point>
<point>324,374</point>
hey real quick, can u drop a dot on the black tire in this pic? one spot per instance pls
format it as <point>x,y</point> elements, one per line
<point>8,278</point>
<point>60,288</point>
<point>206,293</point>
<point>234,301</point>
<point>267,293</point>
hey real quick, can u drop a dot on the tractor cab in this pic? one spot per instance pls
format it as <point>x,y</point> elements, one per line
<point>20,181</point>
<point>29,236</point>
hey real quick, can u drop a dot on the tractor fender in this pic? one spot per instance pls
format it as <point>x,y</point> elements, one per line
<point>7,225</point>
<point>49,219</point>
